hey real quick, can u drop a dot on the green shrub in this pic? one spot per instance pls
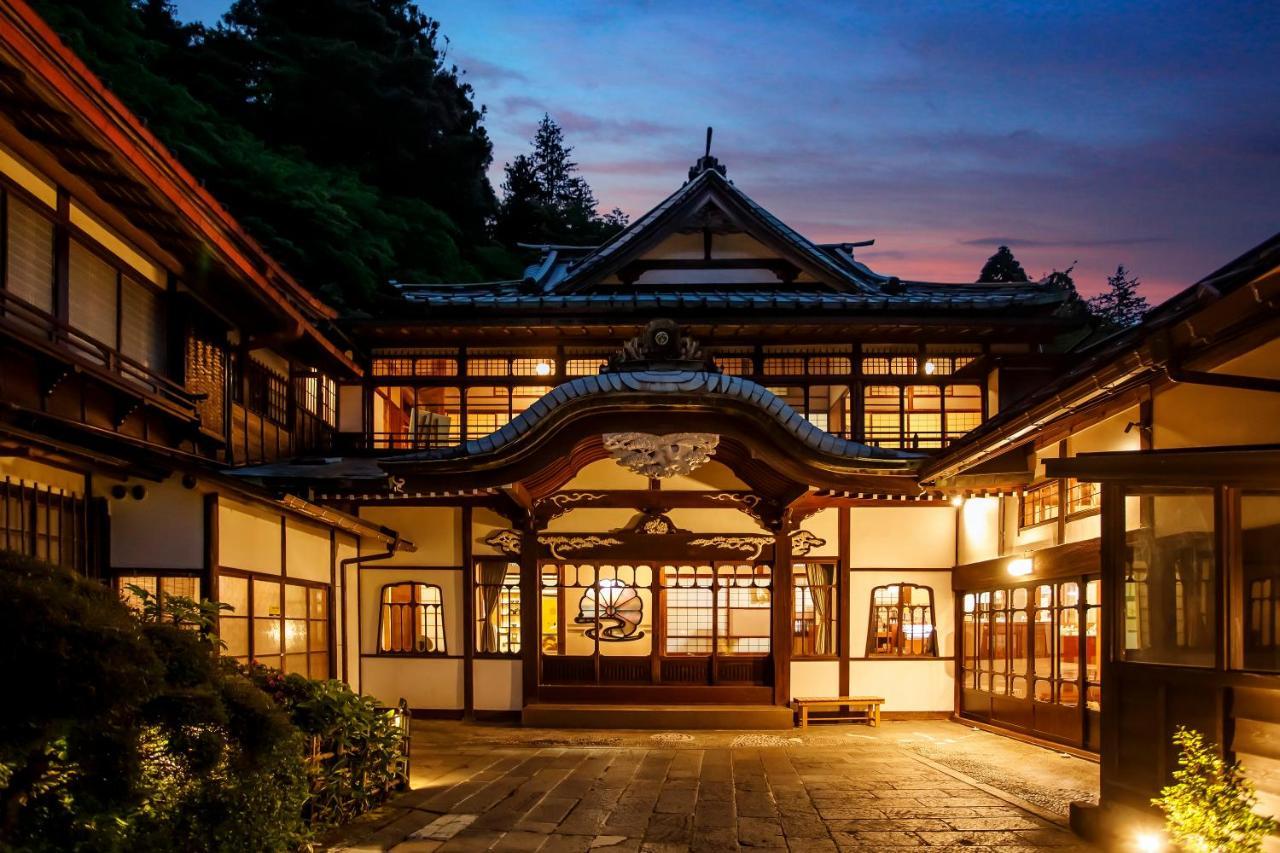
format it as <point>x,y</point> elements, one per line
<point>354,758</point>
<point>1210,806</point>
<point>130,734</point>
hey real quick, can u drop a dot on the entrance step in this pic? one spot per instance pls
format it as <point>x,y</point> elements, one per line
<point>664,717</point>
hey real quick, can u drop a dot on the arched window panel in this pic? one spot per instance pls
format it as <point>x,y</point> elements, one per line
<point>902,622</point>
<point>411,619</point>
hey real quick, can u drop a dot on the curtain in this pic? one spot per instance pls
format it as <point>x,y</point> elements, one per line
<point>821,578</point>
<point>492,576</point>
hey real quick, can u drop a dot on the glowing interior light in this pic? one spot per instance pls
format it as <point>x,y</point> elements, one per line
<point>930,367</point>
<point>542,369</point>
<point>1150,842</point>
<point>957,501</point>
<point>1020,566</point>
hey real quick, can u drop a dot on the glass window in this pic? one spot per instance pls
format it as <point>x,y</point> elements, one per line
<point>1083,497</point>
<point>1260,547</point>
<point>488,410</point>
<point>419,418</point>
<point>734,365</point>
<point>1169,606</point>
<point>829,408</point>
<point>29,255</point>
<point>963,406</point>
<point>902,622</point>
<point>882,415</point>
<point>922,407</point>
<point>497,607</point>
<point>816,605</point>
<point>1039,504</point>
<point>689,609</point>
<point>93,304</point>
<point>411,619</point>
<point>142,324</point>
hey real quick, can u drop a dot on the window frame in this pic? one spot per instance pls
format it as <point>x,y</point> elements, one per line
<point>515,649</point>
<point>836,618</point>
<point>1043,486</point>
<point>442,651</point>
<point>932,642</point>
<point>249,617</point>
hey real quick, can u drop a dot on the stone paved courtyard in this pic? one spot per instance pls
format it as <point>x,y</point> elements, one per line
<point>482,787</point>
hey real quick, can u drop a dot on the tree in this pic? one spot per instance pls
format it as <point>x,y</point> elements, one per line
<point>333,131</point>
<point>1002,268</point>
<point>544,200</point>
<point>1121,304</point>
<point>1210,806</point>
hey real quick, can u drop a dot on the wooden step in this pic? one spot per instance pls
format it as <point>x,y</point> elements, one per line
<point>664,717</point>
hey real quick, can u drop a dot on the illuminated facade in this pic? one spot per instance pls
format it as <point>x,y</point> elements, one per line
<point>707,464</point>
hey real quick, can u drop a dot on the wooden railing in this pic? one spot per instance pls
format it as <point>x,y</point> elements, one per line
<point>50,334</point>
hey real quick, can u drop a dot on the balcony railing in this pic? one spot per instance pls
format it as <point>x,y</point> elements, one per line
<point>48,333</point>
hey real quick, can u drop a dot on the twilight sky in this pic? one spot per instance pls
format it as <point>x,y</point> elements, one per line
<point>1142,133</point>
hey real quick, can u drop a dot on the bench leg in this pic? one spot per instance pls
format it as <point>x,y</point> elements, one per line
<point>875,712</point>
<point>804,716</point>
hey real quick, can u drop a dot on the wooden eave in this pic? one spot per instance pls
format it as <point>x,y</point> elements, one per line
<point>56,101</point>
<point>1246,467</point>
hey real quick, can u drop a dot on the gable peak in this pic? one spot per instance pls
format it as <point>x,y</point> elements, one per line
<point>706,162</point>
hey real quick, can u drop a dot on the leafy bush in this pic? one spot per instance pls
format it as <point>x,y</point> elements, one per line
<point>354,758</point>
<point>131,734</point>
<point>1210,806</point>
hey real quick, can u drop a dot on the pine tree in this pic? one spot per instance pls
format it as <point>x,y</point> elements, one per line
<point>545,200</point>
<point>1120,305</point>
<point>1002,268</point>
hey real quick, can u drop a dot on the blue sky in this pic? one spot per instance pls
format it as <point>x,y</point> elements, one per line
<point>1146,134</point>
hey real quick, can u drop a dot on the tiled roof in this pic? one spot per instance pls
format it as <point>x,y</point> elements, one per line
<point>712,388</point>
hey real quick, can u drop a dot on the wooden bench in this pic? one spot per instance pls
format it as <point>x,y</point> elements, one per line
<point>856,708</point>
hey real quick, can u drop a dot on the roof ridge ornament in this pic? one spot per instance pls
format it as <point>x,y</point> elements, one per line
<point>706,162</point>
<point>661,346</point>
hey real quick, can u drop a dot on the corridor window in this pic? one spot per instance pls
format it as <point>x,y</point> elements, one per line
<point>411,619</point>
<point>1260,558</point>
<point>1170,572</point>
<point>1039,504</point>
<point>278,625</point>
<point>163,586</point>
<point>497,607</point>
<point>1083,497</point>
<point>901,623</point>
<point>816,605</point>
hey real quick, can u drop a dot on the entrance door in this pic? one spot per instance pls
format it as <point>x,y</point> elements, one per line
<point>656,623</point>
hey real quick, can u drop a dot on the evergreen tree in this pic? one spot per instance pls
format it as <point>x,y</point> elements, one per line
<point>1120,304</point>
<point>1002,268</point>
<point>333,132</point>
<point>544,200</point>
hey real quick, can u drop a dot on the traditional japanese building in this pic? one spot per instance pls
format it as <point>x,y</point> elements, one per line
<point>708,466</point>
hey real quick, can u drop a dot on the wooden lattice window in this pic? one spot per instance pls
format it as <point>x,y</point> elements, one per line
<point>266,392</point>
<point>902,622</point>
<point>1039,504</point>
<point>206,372</point>
<point>1083,497</point>
<point>411,619</point>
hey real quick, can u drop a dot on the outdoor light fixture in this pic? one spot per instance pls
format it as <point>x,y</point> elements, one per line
<point>1149,842</point>
<point>930,367</point>
<point>1020,566</point>
<point>542,369</point>
<point>957,501</point>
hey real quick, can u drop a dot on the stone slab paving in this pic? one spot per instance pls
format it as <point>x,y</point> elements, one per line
<point>510,789</point>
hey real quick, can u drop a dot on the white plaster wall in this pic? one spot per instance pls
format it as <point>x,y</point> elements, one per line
<point>825,524</point>
<point>306,550</point>
<point>1106,436</point>
<point>164,530</point>
<point>902,537</point>
<point>1201,415</point>
<point>593,520</point>
<point>28,471</point>
<point>1080,529</point>
<point>914,685</point>
<point>979,539</point>
<point>426,683</point>
<point>373,579</point>
<point>714,521</point>
<point>435,530</point>
<point>497,685</point>
<point>605,474</point>
<point>815,678</point>
<point>248,536</point>
<point>713,475</point>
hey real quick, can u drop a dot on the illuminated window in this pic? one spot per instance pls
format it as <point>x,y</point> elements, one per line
<point>417,418</point>
<point>585,366</point>
<point>408,365</point>
<point>279,625</point>
<point>498,607</point>
<point>890,359</point>
<point>1039,504</point>
<point>901,623</point>
<point>790,366</point>
<point>1083,497</point>
<point>815,605</point>
<point>963,404</point>
<point>734,365</point>
<point>829,365</point>
<point>882,415</point>
<point>411,619</point>
<point>182,586</point>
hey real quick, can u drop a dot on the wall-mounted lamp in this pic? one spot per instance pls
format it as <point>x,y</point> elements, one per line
<point>930,368</point>
<point>1020,566</point>
<point>957,501</point>
<point>542,368</point>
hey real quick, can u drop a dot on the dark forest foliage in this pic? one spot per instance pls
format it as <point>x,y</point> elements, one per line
<point>333,130</point>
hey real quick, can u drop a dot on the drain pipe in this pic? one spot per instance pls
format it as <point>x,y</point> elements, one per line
<point>396,544</point>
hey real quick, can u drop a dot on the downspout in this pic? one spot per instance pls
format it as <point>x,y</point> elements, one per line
<point>342,568</point>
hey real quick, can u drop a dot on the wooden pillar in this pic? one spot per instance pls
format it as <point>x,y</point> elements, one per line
<point>1111,629</point>
<point>530,597</point>
<point>469,618</point>
<point>844,623</point>
<point>782,616</point>
<point>211,557</point>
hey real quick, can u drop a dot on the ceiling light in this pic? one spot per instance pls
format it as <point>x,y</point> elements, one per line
<point>957,501</point>
<point>1020,566</point>
<point>542,369</point>
<point>930,367</point>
